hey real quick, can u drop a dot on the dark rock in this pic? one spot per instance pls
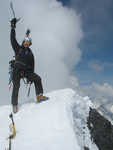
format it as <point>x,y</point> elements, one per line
<point>101,130</point>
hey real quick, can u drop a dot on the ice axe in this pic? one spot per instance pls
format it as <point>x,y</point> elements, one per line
<point>11,6</point>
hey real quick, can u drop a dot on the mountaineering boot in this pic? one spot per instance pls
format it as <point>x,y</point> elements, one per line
<point>41,98</point>
<point>15,108</point>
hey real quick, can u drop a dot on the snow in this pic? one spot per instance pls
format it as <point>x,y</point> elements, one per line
<point>56,124</point>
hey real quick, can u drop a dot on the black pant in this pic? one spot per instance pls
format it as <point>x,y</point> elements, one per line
<point>33,77</point>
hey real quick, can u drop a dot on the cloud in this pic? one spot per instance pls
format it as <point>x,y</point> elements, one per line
<point>104,89</point>
<point>98,65</point>
<point>101,94</point>
<point>56,33</point>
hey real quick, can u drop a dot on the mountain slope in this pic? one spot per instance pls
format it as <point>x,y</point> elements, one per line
<point>55,124</point>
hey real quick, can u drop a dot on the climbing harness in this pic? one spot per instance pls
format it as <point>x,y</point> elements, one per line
<point>11,68</point>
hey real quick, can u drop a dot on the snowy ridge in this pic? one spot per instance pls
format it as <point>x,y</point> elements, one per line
<point>52,125</point>
<point>80,108</point>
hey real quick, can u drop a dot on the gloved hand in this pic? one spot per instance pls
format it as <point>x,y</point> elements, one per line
<point>13,22</point>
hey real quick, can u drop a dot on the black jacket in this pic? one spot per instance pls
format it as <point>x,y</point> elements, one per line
<point>23,56</point>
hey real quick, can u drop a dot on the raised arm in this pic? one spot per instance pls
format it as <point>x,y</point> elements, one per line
<point>14,42</point>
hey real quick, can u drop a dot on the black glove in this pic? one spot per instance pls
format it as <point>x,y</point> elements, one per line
<point>13,22</point>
